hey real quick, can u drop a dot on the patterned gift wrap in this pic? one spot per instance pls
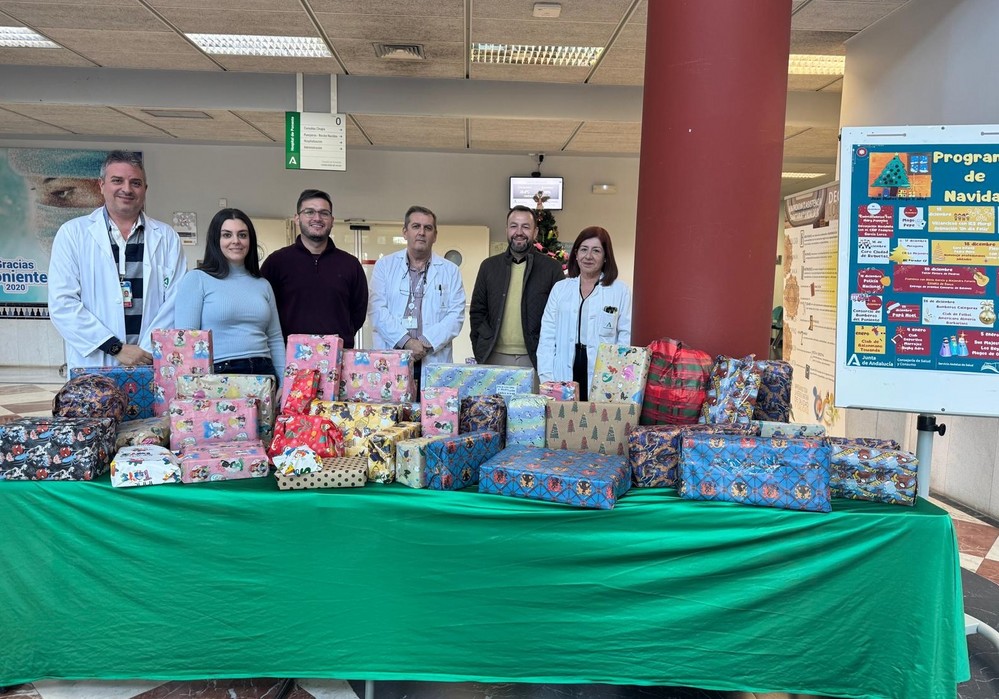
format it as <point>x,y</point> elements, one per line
<point>483,414</point>
<point>151,430</point>
<point>144,464</point>
<point>560,390</point>
<point>337,472</point>
<point>732,391</point>
<point>525,420</point>
<point>56,448</point>
<point>320,352</point>
<point>479,379</point>
<point>587,426</point>
<point>382,450</point>
<point>439,411</point>
<point>575,478</point>
<point>619,374</point>
<point>304,389</point>
<point>881,473</point>
<point>259,386</point>
<point>224,461</point>
<point>773,402</point>
<point>356,421</point>
<point>204,420</point>
<point>90,395</point>
<point>790,430</point>
<point>378,376</point>
<point>177,353</point>
<point>453,462</point>
<point>654,450</point>
<point>411,460</point>
<point>296,461</point>
<point>136,382</point>
<point>790,474</point>
<point>317,433</point>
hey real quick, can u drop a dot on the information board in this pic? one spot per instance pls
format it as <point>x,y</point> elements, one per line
<point>918,266</point>
<point>315,141</point>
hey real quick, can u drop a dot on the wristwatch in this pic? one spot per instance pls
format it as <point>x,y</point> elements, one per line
<point>114,348</point>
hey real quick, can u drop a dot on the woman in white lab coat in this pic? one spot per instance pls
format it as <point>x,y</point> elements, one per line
<point>589,308</point>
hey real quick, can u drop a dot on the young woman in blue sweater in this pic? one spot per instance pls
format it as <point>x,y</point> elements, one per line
<point>227,295</point>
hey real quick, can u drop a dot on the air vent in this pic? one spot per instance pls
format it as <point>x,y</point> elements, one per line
<point>400,52</point>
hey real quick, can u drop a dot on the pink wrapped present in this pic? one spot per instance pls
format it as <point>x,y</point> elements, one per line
<point>560,390</point>
<point>224,461</point>
<point>439,410</point>
<point>176,353</point>
<point>320,352</point>
<point>378,376</point>
<point>204,420</point>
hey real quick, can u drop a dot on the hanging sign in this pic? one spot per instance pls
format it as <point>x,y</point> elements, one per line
<point>315,141</point>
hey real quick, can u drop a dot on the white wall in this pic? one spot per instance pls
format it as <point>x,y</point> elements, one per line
<point>931,62</point>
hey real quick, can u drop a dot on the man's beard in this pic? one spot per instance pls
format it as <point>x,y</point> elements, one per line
<point>308,232</point>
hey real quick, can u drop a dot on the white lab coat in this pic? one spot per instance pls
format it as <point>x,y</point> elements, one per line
<point>443,304</point>
<point>85,301</point>
<point>557,346</point>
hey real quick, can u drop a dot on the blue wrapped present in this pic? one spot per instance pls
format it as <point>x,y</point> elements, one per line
<point>872,470</point>
<point>483,414</point>
<point>479,379</point>
<point>453,462</point>
<point>525,420</point>
<point>790,430</point>
<point>773,401</point>
<point>654,450</point>
<point>136,382</point>
<point>579,478</point>
<point>791,474</point>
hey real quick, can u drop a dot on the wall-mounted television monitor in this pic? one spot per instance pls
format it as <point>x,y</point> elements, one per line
<point>523,189</point>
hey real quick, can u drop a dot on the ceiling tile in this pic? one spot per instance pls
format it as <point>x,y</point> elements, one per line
<point>519,134</point>
<point>495,31</point>
<point>354,135</point>
<point>575,11</point>
<point>444,60</point>
<point>203,20</point>
<point>812,143</point>
<point>12,122</point>
<point>834,87</point>
<point>809,82</point>
<point>632,36</point>
<point>160,50</point>
<point>271,123</point>
<point>538,74</point>
<point>842,15</point>
<point>641,15</point>
<point>825,43</point>
<point>42,57</point>
<point>792,130</point>
<point>241,5</point>
<point>86,120</point>
<point>393,29</point>
<point>383,8</point>
<point>223,126</point>
<point>44,16</point>
<point>413,131</point>
<point>621,67</point>
<point>607,137</point>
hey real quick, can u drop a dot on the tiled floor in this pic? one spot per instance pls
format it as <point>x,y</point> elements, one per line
<point>30,392</point>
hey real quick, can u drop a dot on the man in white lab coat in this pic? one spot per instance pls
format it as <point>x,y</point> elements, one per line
<point>113,274</point>
<point>417,298</point>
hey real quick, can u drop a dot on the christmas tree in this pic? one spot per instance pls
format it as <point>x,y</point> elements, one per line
<point>547,241</point>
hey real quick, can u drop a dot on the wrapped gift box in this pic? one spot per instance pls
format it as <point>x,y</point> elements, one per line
<point>654,450</point>
<point>479,379</point>
<point>56,448</point>
<point>296,461</point>
<point>453,462</point>
<point>313,431</point>
<point>320,352</point>
<point>177,353</point>
<point>525,420</point>
<point>790,474</point>
<point>337,472</point>
<point>587,426</point>
<point>258,386</point>
<point>732,391</point>
<point>144,464</point>
<point>880,472</point>
<point>304,389</point>
<point>378,376</point>
<point>483,414</point>
<point>356,421</point>
<point>791,430</point>
<point>136,382</point>
<point>204,420</point>
<point>439,409</point>
<point>151,430</point>
<point>382,450</point>
<point>773,401</point>
<point>619,374</point>
<point>411,460</point>
<point>576,478</point>
<point>560,390</point>
<point>224,461</point>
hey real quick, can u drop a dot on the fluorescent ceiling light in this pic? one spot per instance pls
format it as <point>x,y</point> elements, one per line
<point>521,54</point>
<point>253,45</point>
<point>801,175</point>
<point>24,38</point>
<point>808,64</point>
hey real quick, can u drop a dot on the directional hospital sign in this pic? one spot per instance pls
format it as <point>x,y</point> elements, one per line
<point>315,141</point>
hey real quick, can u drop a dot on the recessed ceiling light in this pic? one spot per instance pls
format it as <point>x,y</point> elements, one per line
<point>801,175</point>
<point>547,10</point>
<point>808,64</point>
<point>177,114</point>
<point>24,38</point>
<point>521,54</point>
<point>255,45</point>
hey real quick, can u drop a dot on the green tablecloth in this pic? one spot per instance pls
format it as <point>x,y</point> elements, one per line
<point>240,580</point>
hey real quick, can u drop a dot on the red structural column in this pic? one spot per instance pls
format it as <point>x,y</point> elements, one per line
<point>709,176</point>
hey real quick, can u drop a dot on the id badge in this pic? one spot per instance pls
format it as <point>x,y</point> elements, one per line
<point>409,322</point>
<point>126,293</point>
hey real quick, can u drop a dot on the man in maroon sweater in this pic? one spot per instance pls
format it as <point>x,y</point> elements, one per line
<point>319,289</point>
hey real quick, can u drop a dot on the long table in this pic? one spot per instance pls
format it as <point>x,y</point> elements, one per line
<point>237,579</point>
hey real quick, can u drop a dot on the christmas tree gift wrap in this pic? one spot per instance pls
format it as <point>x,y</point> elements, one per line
<point>224,461</point>
<point>151,430</point>
<point>880,472</point>
<point>203,420</point>
<point>317,433</point>
<point>587,426</point>
<point>790,430</point>
<point>56,448</point>
<point>177,353</point>
<point>356,421</point>
<point>732,390</point>
<point>439,407</point>
<point>378,376</point>
<point>337,472</point>
<point>258,386</point>
<point>136,382</point>
<point>790,474</point>
<point>319,352</point>
<point>560,390</point>
<point>619,374</point>
<point>773,401</point>
<point>654,450</point>
<point>144,464</point>
<point>453,462</point>
<point>411,460</point>
<point>525,420</point>
<point>575,478</point>
<point>382,450</point>
<point>480,379</point>
<point>483,414</point>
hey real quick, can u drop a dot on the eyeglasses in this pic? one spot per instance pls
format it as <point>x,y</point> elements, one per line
<point>325,214</point>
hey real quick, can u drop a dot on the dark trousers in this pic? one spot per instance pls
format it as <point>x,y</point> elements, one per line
<point>249,365</point>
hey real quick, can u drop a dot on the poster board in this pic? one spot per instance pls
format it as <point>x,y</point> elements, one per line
<point>918,268</point>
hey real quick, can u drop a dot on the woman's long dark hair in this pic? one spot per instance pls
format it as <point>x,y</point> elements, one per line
<point>215,262</point>
<point>610,265</point>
